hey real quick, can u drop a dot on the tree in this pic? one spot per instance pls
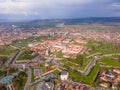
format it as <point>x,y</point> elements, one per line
<point>119,59</point>
<point>79,59</point>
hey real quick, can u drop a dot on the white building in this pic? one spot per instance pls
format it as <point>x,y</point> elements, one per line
<point>64,75</point>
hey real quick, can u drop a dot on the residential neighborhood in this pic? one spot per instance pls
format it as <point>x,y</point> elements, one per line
<point>60,58</point>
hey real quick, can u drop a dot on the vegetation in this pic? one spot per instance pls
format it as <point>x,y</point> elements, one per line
<point>25,42</point>
<point>20,81</point>
<point>56,72</point>
<point>2,74</point>
<point>80,62</point>
<point>10,70</point>
<point>102,47</point>
<point>27,55</point>
<point>86,79</point>
<point>32,76</point>
<point>13,69</point>
<point>80,59</point>
<point>3,58</point>
<point>109,62</point>
<point>42,67</point>
<point>2,87</point>
<point>6,50</point>
<point>91,77</point>
<point>60,54</point>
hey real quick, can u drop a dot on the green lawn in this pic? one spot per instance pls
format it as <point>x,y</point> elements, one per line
<point>56,72</point>
<point>7,50</point>
<point>43,67</point>
<point>67,63</point>
<point>32,76</point>
<point>60,54</point>
<point>23,42</point>
<point>86,79</point>
<point>104,48</point>
<point>3,58</point>
<point>11,71</point>
<point>91,77</point>
<point>96,47</point>
<point>26,55</point>
<point>110,62</point>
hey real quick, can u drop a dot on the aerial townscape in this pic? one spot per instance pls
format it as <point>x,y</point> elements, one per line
<point>59,44</point>
<point>62,56</point>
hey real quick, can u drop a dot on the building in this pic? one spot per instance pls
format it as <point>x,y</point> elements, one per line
<point>64,75</point>
<point>105,85</point>
<point>104,78</point>
<point>116,70</point>
<point>48,86</point>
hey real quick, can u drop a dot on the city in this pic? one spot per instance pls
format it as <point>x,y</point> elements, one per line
<point>48,59</point>
<point>59,44</point>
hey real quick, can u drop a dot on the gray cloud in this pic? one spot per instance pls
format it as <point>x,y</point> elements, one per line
<point>33,9</point>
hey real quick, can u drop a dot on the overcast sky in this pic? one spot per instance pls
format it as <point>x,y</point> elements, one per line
<point>47,9</point>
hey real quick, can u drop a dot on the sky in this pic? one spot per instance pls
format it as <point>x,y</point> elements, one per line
<point>53,9</point>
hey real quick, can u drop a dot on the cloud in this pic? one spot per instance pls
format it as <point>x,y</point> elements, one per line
<point>26,6</point>
<point>116,5</point>
<point>58,8</point>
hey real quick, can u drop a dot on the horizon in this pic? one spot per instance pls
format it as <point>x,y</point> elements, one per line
<point>8,21</point>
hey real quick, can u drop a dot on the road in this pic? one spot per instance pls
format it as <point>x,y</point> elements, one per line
<point>28,80</point>
<point>90,68</point>
<point>7,63</point>
<point>39,87</point>
<point>16,56</point>
<point>12,59</point>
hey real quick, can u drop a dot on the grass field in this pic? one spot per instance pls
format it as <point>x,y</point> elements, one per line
<point>3,58</point>
<point>7,50</point>
<point>32,76</point>
<point>60,54</point>
<point>107,61</point>
<point>110,62</point>
<point>26,55</point>
<point>86,79</point>
<point>104,48</point>
<point>25,42</point>
<point>91,77</point>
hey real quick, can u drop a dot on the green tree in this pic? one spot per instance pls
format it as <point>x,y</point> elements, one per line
<point>79,58</point>
<point>119,59</point>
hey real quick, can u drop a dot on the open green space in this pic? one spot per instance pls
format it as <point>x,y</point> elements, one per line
<point>86,79</point>
<point>96,28</point>
<point>3,58</point>
<point>25,42</point>
<point>110,62</point>
<point>56,72</point>
<point>102,47</point>
<point>60,54</point>
<point>42,66</point>
<point>32,76</point>
<point>2,87</point>
<point>91,77</point>
<point>27,55</point>
<point>6,50</point>
<point>2,74</point>
<point>10,70</point>
<point>20,81</point>
<point>76,63</point>
<point>13,70</point>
